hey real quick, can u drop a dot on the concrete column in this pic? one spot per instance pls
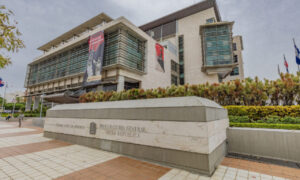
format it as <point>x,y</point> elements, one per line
<point>36,102</point>
<point>28,103</point>
<point>121,83</point>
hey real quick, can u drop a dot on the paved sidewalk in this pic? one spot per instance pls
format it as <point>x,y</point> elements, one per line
<point>26,154</point>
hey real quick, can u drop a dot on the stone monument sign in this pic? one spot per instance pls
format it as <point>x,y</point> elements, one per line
<point>185,132</point>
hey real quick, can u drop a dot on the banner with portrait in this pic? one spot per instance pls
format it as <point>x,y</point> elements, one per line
<point>95,60</point>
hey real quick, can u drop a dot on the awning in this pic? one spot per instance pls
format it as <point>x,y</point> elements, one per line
<point>61,98</point>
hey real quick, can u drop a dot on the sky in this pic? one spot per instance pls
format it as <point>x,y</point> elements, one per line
<point>267,27</point>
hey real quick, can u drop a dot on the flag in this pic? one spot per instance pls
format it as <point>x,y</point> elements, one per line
<point>1,83</point>
<point>297,53</point>
<point>286,64</point>
<point>279,70</point>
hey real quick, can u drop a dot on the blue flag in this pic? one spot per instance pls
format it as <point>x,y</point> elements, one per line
<point>297,54</point>
<point>1,83</point>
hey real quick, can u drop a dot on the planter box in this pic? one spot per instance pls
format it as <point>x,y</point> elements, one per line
<point>185,132</point>
<point>268,143</point>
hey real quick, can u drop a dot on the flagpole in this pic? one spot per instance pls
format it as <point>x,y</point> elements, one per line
<point>3,99</point>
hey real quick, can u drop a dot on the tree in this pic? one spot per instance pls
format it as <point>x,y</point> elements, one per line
<point>9,36</point>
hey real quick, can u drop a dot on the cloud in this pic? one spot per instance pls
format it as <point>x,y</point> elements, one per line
<point>267,27</point>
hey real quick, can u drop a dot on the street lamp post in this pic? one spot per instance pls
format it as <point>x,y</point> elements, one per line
<point>15,100</point>
<point>41,106</point>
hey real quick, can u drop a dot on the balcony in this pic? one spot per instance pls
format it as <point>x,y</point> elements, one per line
<point>217,48</point>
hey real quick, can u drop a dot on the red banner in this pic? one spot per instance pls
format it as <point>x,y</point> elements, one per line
<point>160,55</point>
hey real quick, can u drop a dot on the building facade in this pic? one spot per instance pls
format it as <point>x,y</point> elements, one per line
<point>197,48</point>
<point>238,71</point>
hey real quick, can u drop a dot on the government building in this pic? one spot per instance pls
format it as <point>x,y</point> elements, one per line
<point>190,46</point>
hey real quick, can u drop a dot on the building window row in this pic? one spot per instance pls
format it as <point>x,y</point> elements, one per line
<point>120,47</point>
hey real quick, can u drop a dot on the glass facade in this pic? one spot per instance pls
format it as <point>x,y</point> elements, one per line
<point>181,59</point>
<point>217,45</point>
<point>174,72</point>
<point>174,66</point>
<point>120,48</point>
<point>174,80</point>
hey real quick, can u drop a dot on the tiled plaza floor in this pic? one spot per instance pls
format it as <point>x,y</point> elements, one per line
<point>26,154</point>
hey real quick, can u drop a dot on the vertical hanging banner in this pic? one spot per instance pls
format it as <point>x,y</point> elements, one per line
<point>95,60</point>
<point>160,57</point>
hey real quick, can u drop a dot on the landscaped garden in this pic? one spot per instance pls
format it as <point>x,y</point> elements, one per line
<point>19,108</point>
<point>250,102</point>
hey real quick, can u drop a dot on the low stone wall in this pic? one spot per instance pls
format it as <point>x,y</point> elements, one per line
<point>185,132</point>
<point>268,143</point>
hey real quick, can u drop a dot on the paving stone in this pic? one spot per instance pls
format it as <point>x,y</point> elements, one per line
<point>24,159</point>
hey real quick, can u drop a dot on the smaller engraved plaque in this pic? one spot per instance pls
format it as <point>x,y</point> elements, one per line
<point>93,128</point>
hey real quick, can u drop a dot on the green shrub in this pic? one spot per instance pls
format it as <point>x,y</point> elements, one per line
<point>267,120</point>
<point>290,120</point>
<point>259,112</point>
<point>268,126</point>
<point>239,119</point>
<point>255,92</point>
<point>272,120</point>
<point>6,114</point>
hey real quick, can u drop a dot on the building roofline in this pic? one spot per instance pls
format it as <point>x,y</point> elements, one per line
<point>121,21</point>
<point>201,6</point>
<point>77,30</point>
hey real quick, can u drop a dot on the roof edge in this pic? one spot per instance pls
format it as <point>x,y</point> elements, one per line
<point>73,30</point>
<point>201,6</point>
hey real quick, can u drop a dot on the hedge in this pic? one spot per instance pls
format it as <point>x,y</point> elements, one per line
<point>285,90</point>
<point>26,114</point>
<point>18,106</point>
<point>259,112</point>
<point>6,114</point>
<point>268,119</point>
<point>268,126</point>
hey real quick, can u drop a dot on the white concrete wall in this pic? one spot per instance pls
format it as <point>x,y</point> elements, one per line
<point>199,137</point>
<point>189,27</point>
<point>268,143</point>
<point>239,52</point>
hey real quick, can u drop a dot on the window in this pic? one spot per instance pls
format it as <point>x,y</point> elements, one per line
<point>210,20</point>
<point>235,58</point>
<point>234,46</point>
<point>181,59</point>
<point>128,85</point>
<point>217,45</point>
<point>174,66</point>
<point>235,72</point>
<point>174,80</point>
<point>120,47</point>
<point>110,87</point>
<point>164,30</point>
